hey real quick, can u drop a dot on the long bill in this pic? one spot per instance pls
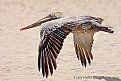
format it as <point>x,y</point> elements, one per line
<point>45,19</point>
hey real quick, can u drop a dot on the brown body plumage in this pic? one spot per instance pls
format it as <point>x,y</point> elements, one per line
<point>54,32</point>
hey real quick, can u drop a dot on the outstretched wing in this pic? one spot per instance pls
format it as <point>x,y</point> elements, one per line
<point>83,43</point>
<point>52,39</point>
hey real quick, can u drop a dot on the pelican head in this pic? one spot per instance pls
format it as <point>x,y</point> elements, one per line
<point>50,17</point>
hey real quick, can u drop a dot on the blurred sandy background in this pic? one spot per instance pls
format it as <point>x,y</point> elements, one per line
<point>19,50</point>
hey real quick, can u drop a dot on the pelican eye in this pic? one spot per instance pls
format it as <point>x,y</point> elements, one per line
<point>53,16</point>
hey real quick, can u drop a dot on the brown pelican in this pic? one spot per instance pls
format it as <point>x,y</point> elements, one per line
<point>55,28</point>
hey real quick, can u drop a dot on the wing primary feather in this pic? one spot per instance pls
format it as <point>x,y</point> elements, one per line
<point>84,59</point>
<point>43,65</point>
<point>91,56</point>
<point>56,48</point>
<point>48,60</point>
<point>39,60</point>
<point>88,58</point>
<point>47,49</point>
<point>76,49</point>
<point>59,42</point>
<point>53,49</point>
<point>53,61</point>
<point>56,44</point>
<point>46,66</point>
<point>53,46</point>
<point>42,49</point>
<point>81,55</point>
<point>50,65</point>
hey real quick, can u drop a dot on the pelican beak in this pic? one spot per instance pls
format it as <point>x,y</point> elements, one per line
<point>45,19</point>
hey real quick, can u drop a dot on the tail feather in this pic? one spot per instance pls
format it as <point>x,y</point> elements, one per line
<point>106,29</point>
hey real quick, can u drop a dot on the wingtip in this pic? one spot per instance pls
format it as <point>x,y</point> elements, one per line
<point>55,67</point>
<point>51,73</point>
<point>89,63</point>
<point>38,66</point>
<point>85,66</point>
<point>39,69</point>
<point>43,75</point>
<point>46,76</point>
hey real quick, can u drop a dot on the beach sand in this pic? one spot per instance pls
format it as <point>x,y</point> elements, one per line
<point>19,49</point>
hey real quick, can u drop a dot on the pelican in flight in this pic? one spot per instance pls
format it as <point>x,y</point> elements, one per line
<point>54,29</point>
